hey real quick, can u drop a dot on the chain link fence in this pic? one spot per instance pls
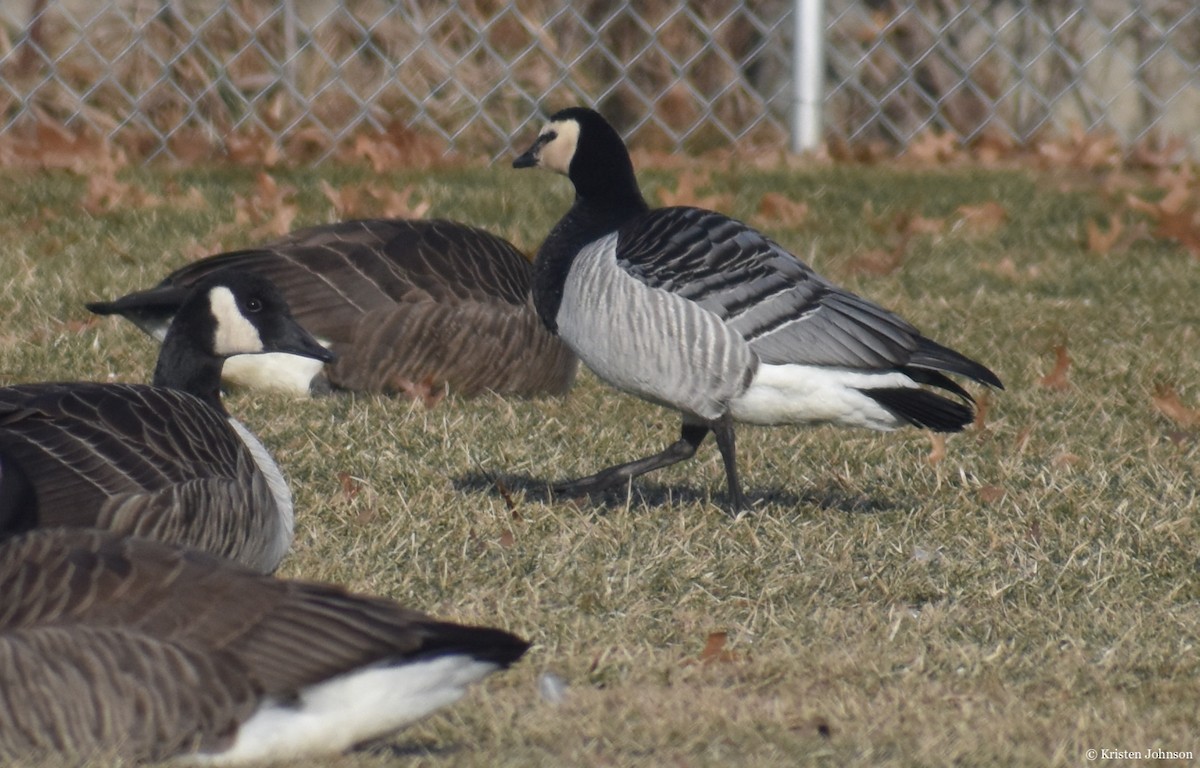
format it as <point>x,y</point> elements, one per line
<point>178,79</point>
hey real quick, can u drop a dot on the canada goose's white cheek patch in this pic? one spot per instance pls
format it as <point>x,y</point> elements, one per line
<point>557,154</point>
<point>235,334</point>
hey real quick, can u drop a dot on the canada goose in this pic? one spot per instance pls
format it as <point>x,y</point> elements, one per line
<point>410,307</point>
<point>701,313</point>
<point>164,461</point>
<point>137,649</point>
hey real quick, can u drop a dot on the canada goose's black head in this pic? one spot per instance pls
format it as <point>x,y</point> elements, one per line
<point>242,313</point>
<point>580,144</point>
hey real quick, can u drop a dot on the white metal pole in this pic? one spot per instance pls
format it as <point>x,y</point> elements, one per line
<point>808,69</point>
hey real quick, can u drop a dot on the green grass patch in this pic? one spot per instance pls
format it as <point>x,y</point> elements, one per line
<point>1033,595</point>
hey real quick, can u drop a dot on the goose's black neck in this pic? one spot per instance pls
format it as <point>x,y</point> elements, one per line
<point>185,365</point>
<point>602,211</point>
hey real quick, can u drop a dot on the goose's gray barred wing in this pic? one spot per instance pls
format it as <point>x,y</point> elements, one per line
<point>334,274</point>
<point>787,312</point>
<point>87,450</point>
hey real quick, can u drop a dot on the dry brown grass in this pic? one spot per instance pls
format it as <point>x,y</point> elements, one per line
<point>1031,595</point>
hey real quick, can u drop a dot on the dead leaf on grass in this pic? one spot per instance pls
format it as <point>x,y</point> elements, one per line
<point>269,209</point>
<point>253,148</point>
<point>933,147</point>
<point>1064,459</point>
<point>780,210</point>
<point>983,404</point>
<point>990,494</point>
<point>981,220</point>
<point>351,486</point>
<point>937,451</point>
<point>1057,378</point>
<point>1103,242</point>
<point>1167,402</point>
<point>686,192</point>
<point>714,650</point>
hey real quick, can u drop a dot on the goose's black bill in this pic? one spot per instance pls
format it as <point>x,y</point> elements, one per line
<point>527,160</point>
<point>294,340</point>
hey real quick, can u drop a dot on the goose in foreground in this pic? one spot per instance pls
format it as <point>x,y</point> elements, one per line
<point>409,306</point>
<point>131,648</point>
<point>699,312</point>
<point>164,461</point>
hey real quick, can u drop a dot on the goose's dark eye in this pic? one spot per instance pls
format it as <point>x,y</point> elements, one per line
<point>253,305</point>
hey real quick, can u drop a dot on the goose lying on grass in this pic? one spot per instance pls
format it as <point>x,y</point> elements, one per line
<point>164,461</point>
<point>115,647</point>
<point>410,307</point>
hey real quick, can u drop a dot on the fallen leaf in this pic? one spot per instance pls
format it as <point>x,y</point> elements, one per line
<point>775,208</point>
<point>990,494</point>
<point>876,262</point>
<point>981,220</point>
<point>1064,460</point>
<point>507,540</point>
<point>1022,440</point>
<point>397,148</point>
<point>1103,242</point>
<point>1057,378</point>
<point>933,147</point>
<point>1183,227</point>
<point>351,485</point>
<point>983,404</point>
<point>714,649</point>
<point>255,147</point>
<point>685,192</point>
<point>937,450</point>
<point>919,225</point>
<point>1167,402</point>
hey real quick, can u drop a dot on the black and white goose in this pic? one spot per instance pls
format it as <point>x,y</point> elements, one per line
<point>164,461</point>
<point>130,648</point>
<point>408,306</point>
<point>701,313</point>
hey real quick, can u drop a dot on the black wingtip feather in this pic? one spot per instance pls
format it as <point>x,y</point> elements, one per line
<point>480,643</point>
<point>923,408</point>
<point>929,354</point>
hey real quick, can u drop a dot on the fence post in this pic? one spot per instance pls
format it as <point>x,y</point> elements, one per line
<point>808,70</point>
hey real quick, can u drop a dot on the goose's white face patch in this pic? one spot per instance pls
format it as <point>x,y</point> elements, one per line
<point>235,334</point>
<point>556,154</point>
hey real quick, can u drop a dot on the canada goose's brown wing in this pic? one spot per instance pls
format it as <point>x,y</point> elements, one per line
<point>334,274</point>
<point>94,693</point>
<point>289,634</point>
<point>419,347</point>
<point>117,455</point>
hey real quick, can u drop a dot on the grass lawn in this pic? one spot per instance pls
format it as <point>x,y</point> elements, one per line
<point>1033,594</point>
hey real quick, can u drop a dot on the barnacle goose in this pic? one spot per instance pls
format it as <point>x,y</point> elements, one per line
<point>409,306</point>
<point>701,313</point>
<point>164,461</point>
<point>120,647</point>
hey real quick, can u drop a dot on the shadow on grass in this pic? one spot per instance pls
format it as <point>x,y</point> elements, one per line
<point>651,494</point>
<point>406,750</point>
